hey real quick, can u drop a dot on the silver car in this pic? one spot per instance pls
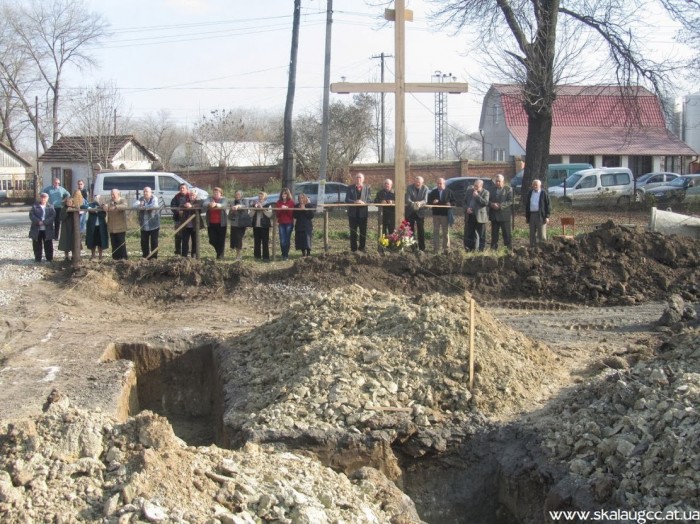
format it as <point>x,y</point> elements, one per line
<point>649,180</point>
<point>335,193</point>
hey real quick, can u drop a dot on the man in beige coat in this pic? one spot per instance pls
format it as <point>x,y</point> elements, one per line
<point>116,224</point>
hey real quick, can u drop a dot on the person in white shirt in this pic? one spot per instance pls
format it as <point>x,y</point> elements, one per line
<point>537,211</point>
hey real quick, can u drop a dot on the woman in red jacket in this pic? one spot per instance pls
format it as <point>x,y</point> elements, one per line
<point>285,218</point>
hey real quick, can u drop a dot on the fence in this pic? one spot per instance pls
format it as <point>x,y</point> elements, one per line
<point>333,233</point>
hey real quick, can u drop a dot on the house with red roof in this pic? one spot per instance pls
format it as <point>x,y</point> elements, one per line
<point>606,126</point>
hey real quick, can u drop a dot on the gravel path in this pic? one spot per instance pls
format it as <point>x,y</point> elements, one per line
<point>17,266</point>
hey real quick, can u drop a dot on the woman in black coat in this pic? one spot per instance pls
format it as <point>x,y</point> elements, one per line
<point>304,226</point>
<point>96,236</point>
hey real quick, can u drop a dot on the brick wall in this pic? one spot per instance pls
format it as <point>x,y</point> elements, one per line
<point>257,176</point>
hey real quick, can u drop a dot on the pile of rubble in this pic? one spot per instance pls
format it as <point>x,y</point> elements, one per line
<point>632,435</point>
<point>69,465</point>
<point>353,360</point>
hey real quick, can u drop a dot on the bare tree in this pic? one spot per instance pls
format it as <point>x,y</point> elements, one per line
<point>687,13</point>
<point>523,40</point>
<point>221,134</point>
<point>351,131</point>
<point>462,144</point>
<point>93,116</point>
<point>159,133</point>
<point>53,34</point>
<point>16,82</point>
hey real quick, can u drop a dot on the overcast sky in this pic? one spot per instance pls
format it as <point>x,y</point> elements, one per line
<point>192,56</point>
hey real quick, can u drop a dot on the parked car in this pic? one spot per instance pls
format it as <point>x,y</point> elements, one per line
<point>517,182</point>
<point>335,193</point>
<point>598,186</point>
<point>558,173</point>
<point>649,180</point>
<point>674,191</point>
<point>131,183</point>
<point>459,186</point>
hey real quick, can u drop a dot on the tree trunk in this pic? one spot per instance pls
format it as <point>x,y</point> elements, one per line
<point>537,149</point>
<point>287,176</point>
<point>539,94</point>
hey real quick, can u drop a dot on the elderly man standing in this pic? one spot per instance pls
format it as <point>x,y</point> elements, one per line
<point>416,200</point>
<point>477,214</point>
<point>42,216</point>
<point>441,196</point>
<point>537,212</point>
<point>387,196</point>
<point>501,213</point>
<point>116,224</point>
<point>56,194</point>
<point>359,193</point>
<point>149,220</point>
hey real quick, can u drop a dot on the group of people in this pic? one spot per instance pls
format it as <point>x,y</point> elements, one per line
<point>219,213</point>
<point>291,217</point>
<point>481,208</point>
<point>103,223</point>
<point>99,222</point>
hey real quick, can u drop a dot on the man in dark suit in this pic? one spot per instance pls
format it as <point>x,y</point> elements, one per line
<point>42,216</point>
<point>441,196</point>
<point>477,214</point>
<point>537,212</point>
<point>501,212</point>
<point>387,196</point>
<point>359,193</point>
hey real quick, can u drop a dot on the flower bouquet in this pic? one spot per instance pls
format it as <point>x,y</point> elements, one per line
<point>398,241</point>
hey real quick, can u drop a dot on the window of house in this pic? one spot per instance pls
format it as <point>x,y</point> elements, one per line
<point>55,173</point>
<point>611,161</point>
<point>496,114</point>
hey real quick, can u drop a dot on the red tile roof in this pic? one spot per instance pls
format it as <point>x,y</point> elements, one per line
<point>598,120</point>
<point>75,148</point>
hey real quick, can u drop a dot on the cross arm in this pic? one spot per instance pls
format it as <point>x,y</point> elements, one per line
<point>414,87</point>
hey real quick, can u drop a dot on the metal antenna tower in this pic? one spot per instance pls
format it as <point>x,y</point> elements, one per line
<point>441,116</point>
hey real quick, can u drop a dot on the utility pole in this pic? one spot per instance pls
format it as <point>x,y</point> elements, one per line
<point>288,161</point>
<point>382,56</point>
<point>399,15</point>
<point>321,198</point>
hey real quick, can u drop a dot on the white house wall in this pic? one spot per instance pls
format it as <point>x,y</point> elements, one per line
<point>80,172</point>
<point>9,165</point>
<point>131,157</point>
<point>514,148</point>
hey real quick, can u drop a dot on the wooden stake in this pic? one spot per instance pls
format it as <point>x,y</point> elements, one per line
<point>471,343</point>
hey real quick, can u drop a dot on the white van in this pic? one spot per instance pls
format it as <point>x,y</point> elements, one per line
<point>597,186</point>
<point>131,183</point>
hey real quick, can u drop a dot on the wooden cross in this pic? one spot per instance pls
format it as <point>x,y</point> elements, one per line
<point>399,16</point>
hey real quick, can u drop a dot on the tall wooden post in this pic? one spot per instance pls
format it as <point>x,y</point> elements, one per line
<point>76,237</point>
<point>399,109</point>
<point>399,15</point>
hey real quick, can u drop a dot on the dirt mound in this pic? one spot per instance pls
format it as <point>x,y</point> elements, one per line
<point>71,465</point>
<point>176,278</point>
<point>613,265</point>
<point>353,361</point>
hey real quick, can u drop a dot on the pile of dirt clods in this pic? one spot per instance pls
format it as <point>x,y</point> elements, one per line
<point>613,265</point>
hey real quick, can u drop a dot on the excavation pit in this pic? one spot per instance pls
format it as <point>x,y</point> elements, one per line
<point>181,385</point>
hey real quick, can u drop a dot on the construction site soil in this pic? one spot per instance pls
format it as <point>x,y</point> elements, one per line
<point>337,388</point>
